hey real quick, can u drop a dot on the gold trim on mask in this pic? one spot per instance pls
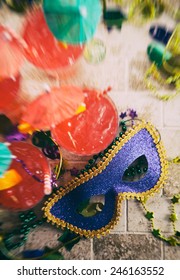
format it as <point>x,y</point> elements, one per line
<point>88,175</point>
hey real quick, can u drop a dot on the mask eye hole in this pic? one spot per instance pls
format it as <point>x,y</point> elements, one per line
<point>137,170</point>
<point>92,206</point>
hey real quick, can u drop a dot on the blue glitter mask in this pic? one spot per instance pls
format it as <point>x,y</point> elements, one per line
<point>107,179</point>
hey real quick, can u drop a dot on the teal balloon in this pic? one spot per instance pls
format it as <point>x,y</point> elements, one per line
<point>5,158</point>
<point>72,21</point>
<point>157,53</point>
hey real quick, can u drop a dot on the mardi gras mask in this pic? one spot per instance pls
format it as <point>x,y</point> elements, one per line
<point>107,179</point>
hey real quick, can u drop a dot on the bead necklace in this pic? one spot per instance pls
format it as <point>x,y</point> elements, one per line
<point>173,239</point>
<point>18,236</point>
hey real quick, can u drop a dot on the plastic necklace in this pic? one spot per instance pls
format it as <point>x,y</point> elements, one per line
<point>154,8</point>
<point>165,69</point>
<point>173,239</point>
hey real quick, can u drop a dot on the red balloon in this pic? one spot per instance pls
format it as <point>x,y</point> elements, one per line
<point>14,111</point>
<point>8,91</point>
<point>44,51</point>
<point>10,104</point>
<point>29,191</point>
<point>92,131</point>
<point>11,54</point>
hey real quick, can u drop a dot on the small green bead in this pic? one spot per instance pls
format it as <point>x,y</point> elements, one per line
<point>124,128</point>
<point>117,138</point>
<point>139,171</point>
<point>145,169</point>
<point>101,155</point>
<point>83,170</point>
<point>21,216</point>
<point>40,222</point>
<point>122,123</point>
<point>91,161</point>
<point>31,217</point>
<point>7,241</point>
<point>132,169</point>
<point>121,134</point>
<point>9,236</point>
<point>25,226</point>
<point>34,226</point>
<point>27,231</point>
<point>133,173</point>
<point>88,166</point>
<point>106,151</point>
<point>95,156</point>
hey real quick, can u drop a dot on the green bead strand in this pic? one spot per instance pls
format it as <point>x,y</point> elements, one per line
<point>124,128</point>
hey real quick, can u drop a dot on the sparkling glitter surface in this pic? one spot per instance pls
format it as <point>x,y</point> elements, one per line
<point>110,183</point>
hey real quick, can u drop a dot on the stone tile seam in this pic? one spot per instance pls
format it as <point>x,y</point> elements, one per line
<point>92,251</point>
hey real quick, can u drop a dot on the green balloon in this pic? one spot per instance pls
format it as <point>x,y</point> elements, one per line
<point>157,53</point>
